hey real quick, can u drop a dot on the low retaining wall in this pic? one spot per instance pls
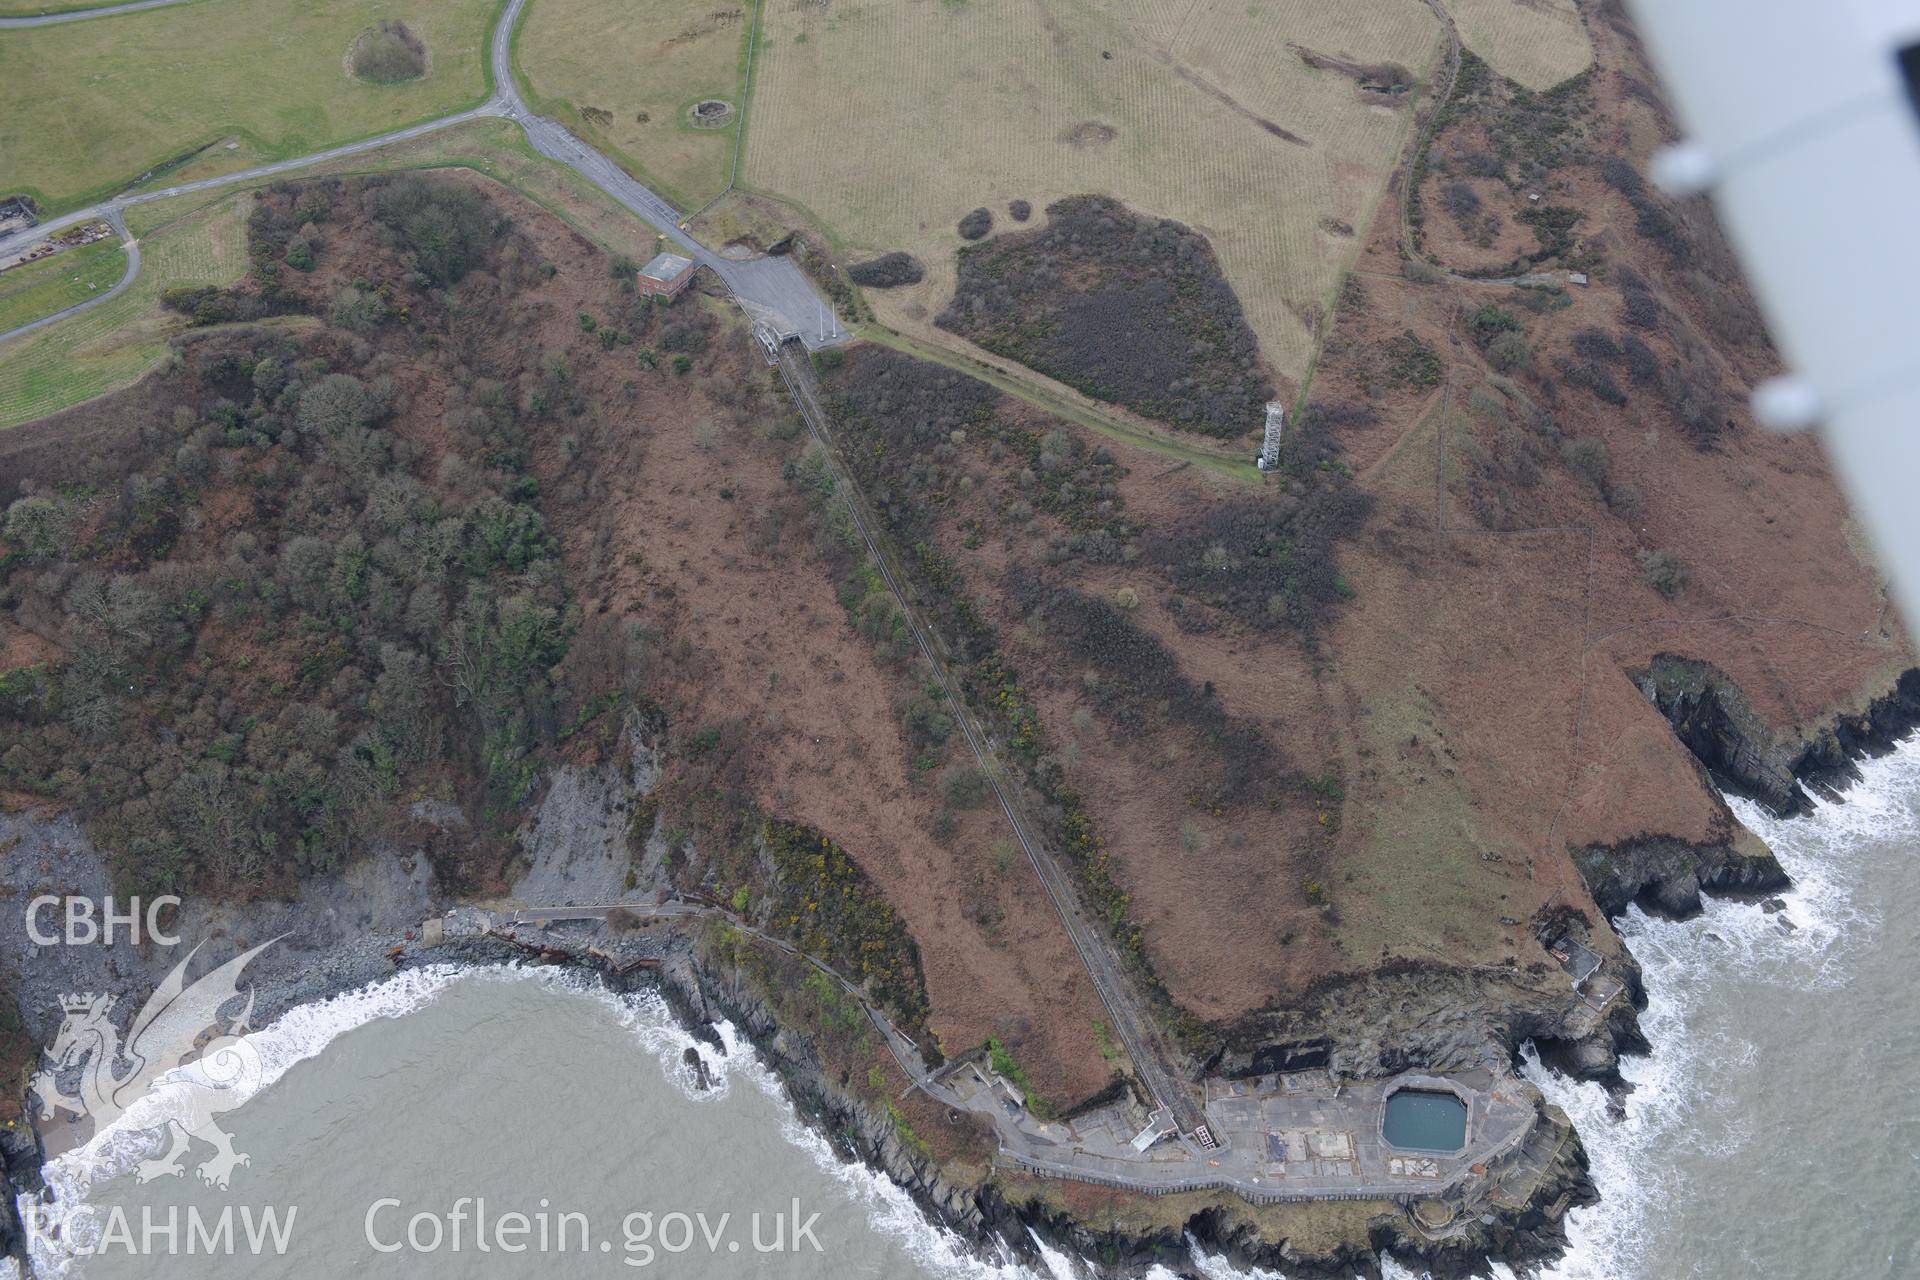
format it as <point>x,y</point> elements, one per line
<point>1027,1165</point>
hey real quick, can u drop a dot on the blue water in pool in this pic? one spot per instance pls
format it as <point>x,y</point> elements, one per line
<point>1421,1121</point>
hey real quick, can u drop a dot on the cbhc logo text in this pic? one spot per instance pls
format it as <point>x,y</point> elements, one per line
<point>84,925</point>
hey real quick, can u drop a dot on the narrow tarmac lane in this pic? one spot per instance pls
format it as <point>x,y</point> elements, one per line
<point>132,247</point>
<point>113,211</point>
<point>773,291</point>
<point>76,15</point>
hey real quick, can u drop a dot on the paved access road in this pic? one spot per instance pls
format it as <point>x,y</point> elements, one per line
<point>773,291</point>
<point>776,293</point>
<point>114,211</point>
<point>74,15</point>
<point>132,247</point>
<point>1305,1136</point>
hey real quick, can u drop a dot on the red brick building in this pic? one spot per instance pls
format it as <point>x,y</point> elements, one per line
<point>667,275</point>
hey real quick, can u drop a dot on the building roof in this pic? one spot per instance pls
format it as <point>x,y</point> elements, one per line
<point>666,267</point>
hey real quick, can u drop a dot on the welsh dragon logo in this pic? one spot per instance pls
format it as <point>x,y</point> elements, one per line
<point>162,1070</point>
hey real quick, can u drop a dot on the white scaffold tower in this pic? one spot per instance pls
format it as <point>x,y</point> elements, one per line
<point>1269,459</point>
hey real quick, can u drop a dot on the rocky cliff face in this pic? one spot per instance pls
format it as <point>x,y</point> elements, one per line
<point>992,1209</point>
<point>1430,1016</point>
<point>1668,876</point>
<point>1825,762</point>
<point>703,994</point>
<point>1717,723</point>
<point>1739,753</point>
<point>1714,718</point>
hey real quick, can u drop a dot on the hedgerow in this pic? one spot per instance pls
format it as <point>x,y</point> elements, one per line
<point>1140,680</point>
<point>1530,135</point>
<point>976,224</point>
<point>1271,562</point>
<point>897,418</point>
<point>887,271</point>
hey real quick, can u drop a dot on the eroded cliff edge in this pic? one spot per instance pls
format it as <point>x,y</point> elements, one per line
<point>1400,1016</point>
<point>709,979</point>
<point>1737,752</point>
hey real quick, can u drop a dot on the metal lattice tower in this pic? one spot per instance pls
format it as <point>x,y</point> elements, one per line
<point>1269,459</point>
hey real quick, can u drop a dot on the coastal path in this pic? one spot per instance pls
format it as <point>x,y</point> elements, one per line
<point>76,15</point>
<point>905,1051</point>
<point>1302,1136</point>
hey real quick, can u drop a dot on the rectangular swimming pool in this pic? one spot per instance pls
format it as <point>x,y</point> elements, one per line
<point>1425,1120</point>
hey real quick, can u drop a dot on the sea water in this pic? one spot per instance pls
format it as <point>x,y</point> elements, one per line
<point>1775,1130</point>
<point>514,1122</point>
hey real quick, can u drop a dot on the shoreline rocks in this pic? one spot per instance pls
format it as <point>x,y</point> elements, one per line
<point>1667,877</point>
<point>1712,715</point>
<point>1365,1024</point>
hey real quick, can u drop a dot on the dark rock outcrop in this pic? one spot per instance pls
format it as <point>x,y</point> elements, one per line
<point>998,1216</point>
<point>1713,718</point>
<point>1407,1014</point>
<point>1826,762</point>
<point>20,1160</point>
<point>1719,725</point>
<point>1668,876</point>
<point>701,996</point>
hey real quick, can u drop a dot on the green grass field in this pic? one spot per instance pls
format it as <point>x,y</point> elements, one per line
<point>110,346</point>
<point>41,288</point>
<point>98,103</point>
<point>602,65</point>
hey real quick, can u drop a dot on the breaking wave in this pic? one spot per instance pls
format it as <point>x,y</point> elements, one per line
<point>301,1033</point>
<point>1810,941</point>
<point>306,1030</point>
<point>1807,941</point>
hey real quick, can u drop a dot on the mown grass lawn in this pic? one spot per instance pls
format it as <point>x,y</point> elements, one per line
<point>94,104</point>
<point>53,284</point>
<point>110,346</point>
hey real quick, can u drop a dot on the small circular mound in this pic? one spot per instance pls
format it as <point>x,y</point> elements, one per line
<point>1089,133</point>
<point>1019,210</point>
<point>976,224</point>
<point>709,113</point>
<point>388,53</point>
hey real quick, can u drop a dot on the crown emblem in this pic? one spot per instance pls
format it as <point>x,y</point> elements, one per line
<point>80,1003</point>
